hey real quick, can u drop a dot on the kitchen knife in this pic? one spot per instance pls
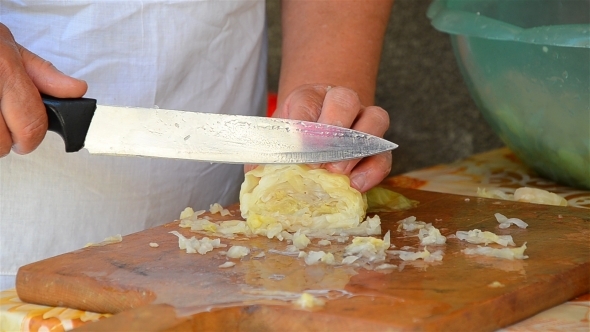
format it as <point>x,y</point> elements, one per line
<point>219,138</point>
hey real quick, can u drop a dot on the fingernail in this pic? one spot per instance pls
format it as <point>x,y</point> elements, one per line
<point>358,181</point>
<point>340,167</point>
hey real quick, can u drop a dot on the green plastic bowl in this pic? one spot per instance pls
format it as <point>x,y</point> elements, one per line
<point>526,64</point>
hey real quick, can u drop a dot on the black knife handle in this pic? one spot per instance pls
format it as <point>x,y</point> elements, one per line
<point>70,118</point>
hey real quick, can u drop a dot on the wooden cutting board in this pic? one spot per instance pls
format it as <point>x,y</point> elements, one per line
<point>165,288</point>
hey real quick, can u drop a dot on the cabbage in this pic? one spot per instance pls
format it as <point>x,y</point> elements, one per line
<point>384,200</point>
<point>525,194</point>
<point>275,198</point>
<point>538,196</point>
<point>237,252</point>
<point>369,247</point>
<point>308,301</point>
<point>431,235</point>
<point>477,237</point>
<point>507,253</point>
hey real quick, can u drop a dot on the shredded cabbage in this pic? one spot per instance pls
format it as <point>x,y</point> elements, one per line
<point>371,248</point>
<point>238,252</point>
<point>194,245</point>
<point>226,265</point>
<point>425,255</point>
<point>506,253</point>
<point>431,235</point>
<point>410,224</point>
<point>476,236</point>
<point>505,222</point>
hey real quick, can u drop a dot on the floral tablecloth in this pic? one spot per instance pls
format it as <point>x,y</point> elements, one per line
<point>498,169</point>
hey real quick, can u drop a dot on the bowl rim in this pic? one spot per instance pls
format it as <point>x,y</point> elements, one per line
<point>460,22</point>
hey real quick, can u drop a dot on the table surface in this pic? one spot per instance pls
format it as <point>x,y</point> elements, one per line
<point>497,169</point>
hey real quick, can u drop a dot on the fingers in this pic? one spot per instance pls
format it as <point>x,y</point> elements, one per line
<point>249,167</point>
<point>23,75</point>
<point>48,79</point>
<point>25,120</point>
<point>321,103</point>
<point>23,113</point>
<point>5,139</point>
<point>342,107</point>
<point>305,103</point>
<point>371,171</point>
<point>371,120</point>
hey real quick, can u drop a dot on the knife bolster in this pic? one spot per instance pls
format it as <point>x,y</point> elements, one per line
<point>70,118</point>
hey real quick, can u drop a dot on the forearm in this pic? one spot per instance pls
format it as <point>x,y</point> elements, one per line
<point>334,42</point>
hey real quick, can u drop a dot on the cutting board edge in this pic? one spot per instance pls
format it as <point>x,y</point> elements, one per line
<point>62,291</point>
<point>259,314</point>
<point>578,276</point>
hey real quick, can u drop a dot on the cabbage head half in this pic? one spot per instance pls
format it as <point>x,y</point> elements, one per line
<point>276,198</point>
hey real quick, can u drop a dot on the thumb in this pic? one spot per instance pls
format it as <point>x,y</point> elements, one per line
<point>249,167</point>
<point>48,79</point>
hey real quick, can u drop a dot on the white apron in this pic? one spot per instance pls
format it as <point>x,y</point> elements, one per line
<point>207,56</point>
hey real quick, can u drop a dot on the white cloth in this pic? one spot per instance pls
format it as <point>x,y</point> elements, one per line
<point>192,55</point>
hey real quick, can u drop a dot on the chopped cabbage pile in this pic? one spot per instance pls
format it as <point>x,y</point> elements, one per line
<point>194,245</point>
<point>368,247</point>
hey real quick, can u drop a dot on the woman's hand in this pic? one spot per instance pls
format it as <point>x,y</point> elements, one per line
<point>339,43</point>
<point>23,75</point>
<point>342,107</point>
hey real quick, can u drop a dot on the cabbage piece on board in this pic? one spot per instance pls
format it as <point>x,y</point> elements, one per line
<point>381,199</point>
<point>297,197</point>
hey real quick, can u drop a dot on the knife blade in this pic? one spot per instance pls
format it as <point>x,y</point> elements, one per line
<point>218,138</point>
